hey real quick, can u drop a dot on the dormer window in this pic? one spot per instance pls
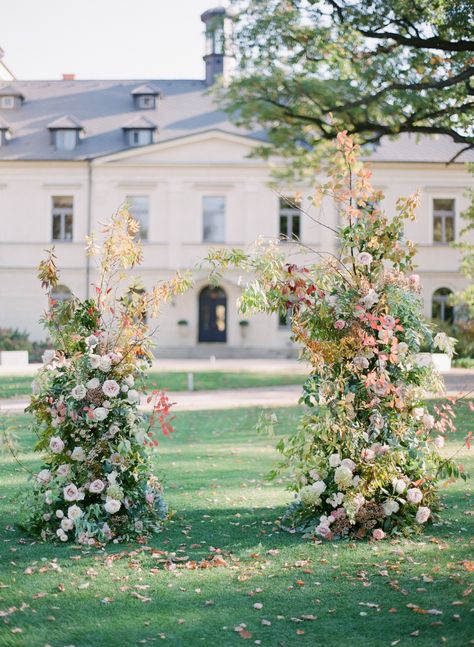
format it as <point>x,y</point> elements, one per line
<point>145,97</point>
<point>7,102</point>
<point>10,98</point>
<point>140,132</point>
<point>66,133</point>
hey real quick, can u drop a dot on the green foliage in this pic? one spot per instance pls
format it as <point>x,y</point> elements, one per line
<point>311,68</point>
<point>364,457</point>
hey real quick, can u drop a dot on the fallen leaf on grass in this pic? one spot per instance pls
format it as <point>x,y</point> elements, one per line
<point>140,597</point>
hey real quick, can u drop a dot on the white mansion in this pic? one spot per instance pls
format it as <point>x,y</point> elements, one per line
<point>72,151</point>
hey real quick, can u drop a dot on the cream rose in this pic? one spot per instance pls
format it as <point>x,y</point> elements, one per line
<point>112,505</point>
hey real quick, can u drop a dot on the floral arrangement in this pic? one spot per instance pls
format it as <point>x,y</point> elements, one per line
<point>95,484</point>
<point>364,459</point>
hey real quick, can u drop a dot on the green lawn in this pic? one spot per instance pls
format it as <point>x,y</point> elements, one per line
<point>15,386</point>
<point>329,595</point>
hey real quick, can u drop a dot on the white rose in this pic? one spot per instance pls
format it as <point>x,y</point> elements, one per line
<point>94,360</point>
<point>390,506</point>
<point>100,414</point>
<point>70,492</point>
<point>364,258</point>
<point>399,485</point>
<point>92,341</point>
<point>112,505</point>
<point>59,514</point>
<point>402,348</point>
<point>48,356</point>
<point>133,396</point>
<point>61,534</point>
<point>370,299</point>
<point>439,442</point>
<point>56,445</point>
<point>48,497</point>
<point>347,462</point>
<point>129,380</point>
<point>334,460</point>
<point>96,486</point>
<point>110,388</point>
<point>93,383</point>
<point>79,392</point>
<point>78,454</point>
<point>74,512</point>
<point>43,477</point>
<point>105,363</point>
<point>63,470</point>
<point>67,524</point>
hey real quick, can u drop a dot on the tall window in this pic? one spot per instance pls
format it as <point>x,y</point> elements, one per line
<point>290,218</point>
<point>284,320</point>
<point>443,220</point>
<point>140,210</point>
<point>63,208</point>
<point>440,306</point>
<point>213,218</point>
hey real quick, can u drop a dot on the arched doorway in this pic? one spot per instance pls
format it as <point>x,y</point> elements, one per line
<point>440,306</point>
<point>212,315</point>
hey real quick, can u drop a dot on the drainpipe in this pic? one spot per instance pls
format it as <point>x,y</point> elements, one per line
<point>89,223</point>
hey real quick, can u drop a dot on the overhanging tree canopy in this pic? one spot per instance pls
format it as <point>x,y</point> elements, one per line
<point>310,68</point>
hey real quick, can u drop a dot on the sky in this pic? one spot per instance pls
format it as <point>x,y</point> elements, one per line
<point>104,39</point>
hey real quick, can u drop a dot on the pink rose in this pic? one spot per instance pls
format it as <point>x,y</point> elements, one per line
<point>414,495</point>
<point>423,514</point>
<point>378,534</point>
<point>340,324</point>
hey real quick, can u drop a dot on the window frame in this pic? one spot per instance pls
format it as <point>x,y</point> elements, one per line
<point>129,200</point>
<point>443,215</point>
<point>62,213</point>
<point>442,301</point>
<point>64,132</point>
<point>140,131</point>
<point>142,99</point>
<point>223,228</point>
<point>292,214</point>
<point>7,102</point>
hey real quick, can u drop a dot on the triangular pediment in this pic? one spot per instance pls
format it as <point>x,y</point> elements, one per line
<point>216,147</point>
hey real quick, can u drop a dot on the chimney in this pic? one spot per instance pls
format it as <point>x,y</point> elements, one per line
<point>219,54</point>
<point>69,77</point>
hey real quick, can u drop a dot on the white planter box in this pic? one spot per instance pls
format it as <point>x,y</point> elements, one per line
<point>440,361</point>
<point>14,358</point>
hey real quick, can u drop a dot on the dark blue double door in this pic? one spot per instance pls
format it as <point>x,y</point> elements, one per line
<point>212,315</point>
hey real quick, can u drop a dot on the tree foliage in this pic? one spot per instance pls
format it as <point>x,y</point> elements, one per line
<point>311,68</point>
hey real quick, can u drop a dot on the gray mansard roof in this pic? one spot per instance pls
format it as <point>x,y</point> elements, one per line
<point>103,108</point>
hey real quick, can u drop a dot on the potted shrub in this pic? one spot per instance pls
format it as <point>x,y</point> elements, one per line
<point>243,325</point>
<point>183,327</point>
